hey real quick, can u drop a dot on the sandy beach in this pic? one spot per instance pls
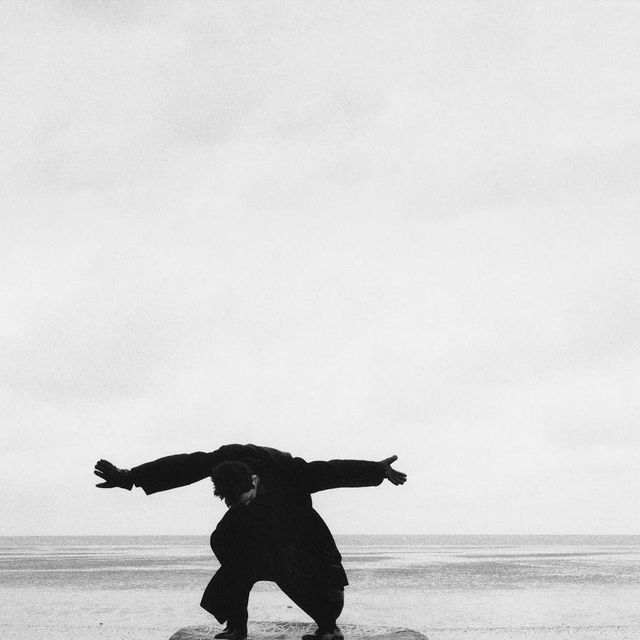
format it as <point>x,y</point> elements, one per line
<point>447,589</point>
<point>117,615</point>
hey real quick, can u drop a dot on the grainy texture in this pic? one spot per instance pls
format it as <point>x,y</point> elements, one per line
<point>295,630</point>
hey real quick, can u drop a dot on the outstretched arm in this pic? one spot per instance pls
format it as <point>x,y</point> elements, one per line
<point>159,475</point>
<point>333,474</point>
<point>182,469</point>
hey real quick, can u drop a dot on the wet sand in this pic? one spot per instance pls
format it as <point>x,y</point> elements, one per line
<point>30,614</point>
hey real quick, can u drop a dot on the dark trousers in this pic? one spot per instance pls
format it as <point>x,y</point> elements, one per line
<point>227,596</point>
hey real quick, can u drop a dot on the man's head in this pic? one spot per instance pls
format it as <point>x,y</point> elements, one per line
<point>234,482</point>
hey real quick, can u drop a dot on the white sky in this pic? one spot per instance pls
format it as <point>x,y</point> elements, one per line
<point>340,229</point>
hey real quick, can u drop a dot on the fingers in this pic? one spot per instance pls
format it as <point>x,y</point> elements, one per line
<point>390,471</point>
<point>396,478</point>
<point>105,465</point>
<point>108,483</point>
<point>393,475</point>
<point>105,471</point>
<point>108,480</point>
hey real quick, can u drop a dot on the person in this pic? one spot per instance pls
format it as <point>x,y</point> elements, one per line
<point>270,530</point>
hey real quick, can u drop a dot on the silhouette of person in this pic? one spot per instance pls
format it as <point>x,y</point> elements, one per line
<point>270,530</point>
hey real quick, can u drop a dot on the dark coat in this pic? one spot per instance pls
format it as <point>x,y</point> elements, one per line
<point>279,533</point>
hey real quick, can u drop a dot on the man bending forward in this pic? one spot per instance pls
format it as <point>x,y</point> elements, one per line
<point>270,530</point>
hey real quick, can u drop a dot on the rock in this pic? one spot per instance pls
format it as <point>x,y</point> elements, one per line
<point>295,631</point>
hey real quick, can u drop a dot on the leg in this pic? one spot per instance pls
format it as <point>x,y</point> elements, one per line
<point>321,601</point>
<point>226,598</point>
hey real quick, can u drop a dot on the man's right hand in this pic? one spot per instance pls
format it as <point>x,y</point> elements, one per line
<point>112,476</point>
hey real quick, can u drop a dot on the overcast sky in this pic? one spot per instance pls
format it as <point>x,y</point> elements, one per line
<point>346,230</point>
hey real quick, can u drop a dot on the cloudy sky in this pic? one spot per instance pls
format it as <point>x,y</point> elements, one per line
<point>340,229</point>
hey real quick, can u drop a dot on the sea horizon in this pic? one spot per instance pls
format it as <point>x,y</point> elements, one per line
<point>340,534</point>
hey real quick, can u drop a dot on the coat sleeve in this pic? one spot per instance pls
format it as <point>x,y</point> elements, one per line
<point>182,469</point>
<point>333,474</point>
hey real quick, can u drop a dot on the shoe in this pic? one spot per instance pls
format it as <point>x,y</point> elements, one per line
<point>232,633</point>
<point>324,634</point>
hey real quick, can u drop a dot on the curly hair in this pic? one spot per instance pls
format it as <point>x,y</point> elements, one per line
<point>231,480</point>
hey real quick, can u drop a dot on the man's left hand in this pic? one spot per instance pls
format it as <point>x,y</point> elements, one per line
<point>392,475</point>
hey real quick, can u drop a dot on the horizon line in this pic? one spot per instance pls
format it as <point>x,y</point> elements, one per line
<point>196,535</point>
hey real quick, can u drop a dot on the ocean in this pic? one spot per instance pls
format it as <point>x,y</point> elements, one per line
<point>446,587</point>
